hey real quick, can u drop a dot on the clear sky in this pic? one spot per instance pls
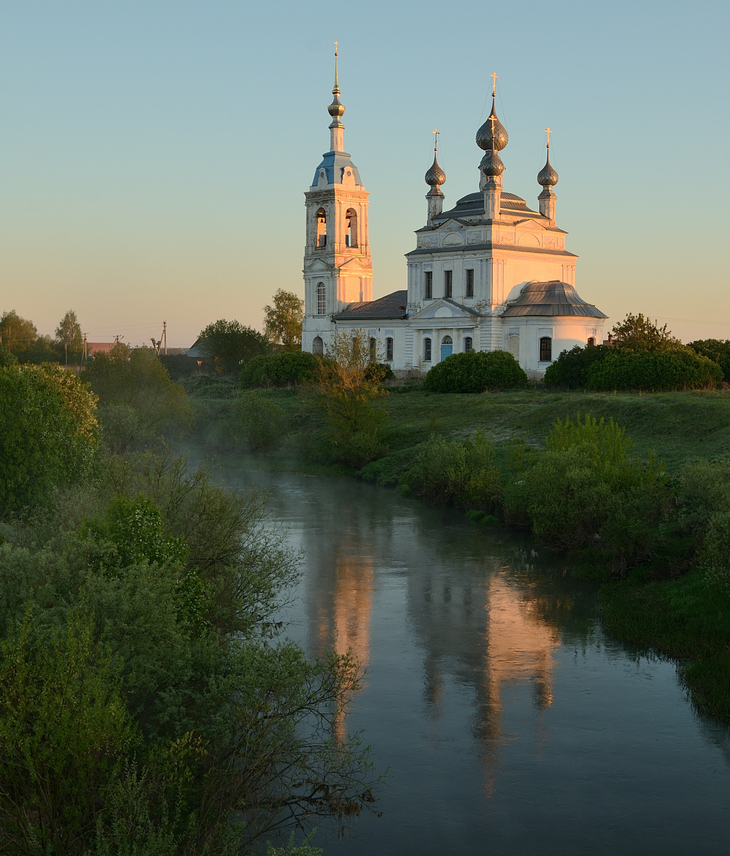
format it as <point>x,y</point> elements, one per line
<point>154,153</point>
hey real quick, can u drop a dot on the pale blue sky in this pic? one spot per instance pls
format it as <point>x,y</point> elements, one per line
<point>154,155</point>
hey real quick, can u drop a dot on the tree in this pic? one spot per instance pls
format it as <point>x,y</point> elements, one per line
<point>349,383</point>
<point>48,433</point>
<point>639,333</point>
<point>716,350</point>
<point>283,320</point>
<point>17,334</point>
<point>230,343</point>
<point>68,335</point>
<point>137,400</point>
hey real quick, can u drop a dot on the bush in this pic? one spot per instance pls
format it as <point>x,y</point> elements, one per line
<point>459,472</point>
<point>262,422</point>
<point>48,433</point>
<point>717,350</point>
<point>570,370</point>
<point>653,371</point>
<point>476,371</point>
<point>135,388</point>
<point>714,555</point>
<point>289,368</point>
<point>586,489</point>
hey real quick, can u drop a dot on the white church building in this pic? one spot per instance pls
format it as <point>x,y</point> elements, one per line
<point>488,274</point>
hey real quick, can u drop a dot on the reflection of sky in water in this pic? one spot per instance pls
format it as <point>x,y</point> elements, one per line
<point>507,720</point>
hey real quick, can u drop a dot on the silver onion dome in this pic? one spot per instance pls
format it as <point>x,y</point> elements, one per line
<point>435,176</point>
<point>547,176</point>
<point>491,164</point>
<point>492,134</point>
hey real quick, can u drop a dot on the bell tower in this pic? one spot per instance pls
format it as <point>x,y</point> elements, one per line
<point>337,264</point>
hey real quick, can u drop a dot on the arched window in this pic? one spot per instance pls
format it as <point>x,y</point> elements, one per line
<point>321,302</point>
<point>321,228</point>
<point>591,341</point>
<point>351,233</point>
<point>427,350</point>
<point>317,346</point>
<point>514,346</point>
<point>546,349</point>
<point>468,345</point>
<point>373,349</point>
<point>389,349</point>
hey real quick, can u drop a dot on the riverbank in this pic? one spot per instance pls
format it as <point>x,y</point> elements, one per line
<point>663,602</point>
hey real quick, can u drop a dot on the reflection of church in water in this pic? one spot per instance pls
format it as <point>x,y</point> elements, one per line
<point>488,274</point>
<point>485,630</point>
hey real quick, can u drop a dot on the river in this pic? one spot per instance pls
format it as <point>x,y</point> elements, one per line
<point>507,720</point>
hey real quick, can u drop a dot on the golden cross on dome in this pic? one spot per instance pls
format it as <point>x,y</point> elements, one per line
<point>493,75</point>
<point>436,140</point>
<point>548,132</point>
<point>336,46</point>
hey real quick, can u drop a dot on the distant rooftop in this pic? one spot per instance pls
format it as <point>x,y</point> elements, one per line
<point>391,306</point>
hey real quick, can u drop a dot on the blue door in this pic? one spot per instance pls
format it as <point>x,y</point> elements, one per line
<point>447,347</point>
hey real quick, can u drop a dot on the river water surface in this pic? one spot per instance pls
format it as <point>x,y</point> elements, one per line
<point>508,721</point>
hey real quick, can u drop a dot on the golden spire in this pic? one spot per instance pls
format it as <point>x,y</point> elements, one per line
<point>436,140</point>
<point>336,90</point>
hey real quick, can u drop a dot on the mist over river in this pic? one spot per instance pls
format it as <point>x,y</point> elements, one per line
<point>508,722</point>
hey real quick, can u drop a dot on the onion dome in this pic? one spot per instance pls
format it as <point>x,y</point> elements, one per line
<point>491,164</point>
<point>336,108</point>
<point>435,176</point>
<point>547,176</point>
<point>492,134</point>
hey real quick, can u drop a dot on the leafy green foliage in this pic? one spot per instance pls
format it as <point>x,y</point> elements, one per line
<point>228,344</point>
<point>17,334</point>
<point>225,733</point>
<point>262,422</point>
<point>570,370</point>
<point>290,368</point>
<point>587,490</point>
<point>48,433</point>
<point>639,333</point>
<point>349,383</point>
<point>63,730</point>
<point>283,320</point>
<point>458,472</point>
<point>476,371</point>
<point>653,371</point>
<point>69,339</point>
<point>137,400</point>
<point>6,358</point>
<point>716,350</point>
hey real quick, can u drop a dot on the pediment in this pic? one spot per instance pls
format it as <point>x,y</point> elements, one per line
<point>445,309</point>
<point>319,265</point>
<point>451,226</point>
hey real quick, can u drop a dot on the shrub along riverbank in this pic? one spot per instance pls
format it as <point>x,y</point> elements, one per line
<point>642,503</point>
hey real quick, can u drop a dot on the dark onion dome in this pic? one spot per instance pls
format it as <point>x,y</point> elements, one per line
<point>547,176</point>
<point>435,176</point>
<point>552,298</point>
<point>488,139</point>
<point>491,163</point>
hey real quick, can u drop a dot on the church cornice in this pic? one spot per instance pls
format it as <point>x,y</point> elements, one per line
<point>470,248</point>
